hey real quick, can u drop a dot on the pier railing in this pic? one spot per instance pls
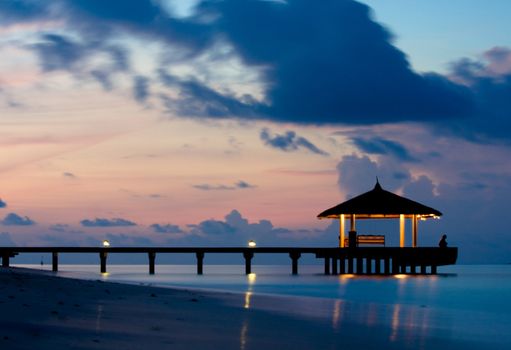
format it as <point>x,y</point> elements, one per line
<point>357,260</point>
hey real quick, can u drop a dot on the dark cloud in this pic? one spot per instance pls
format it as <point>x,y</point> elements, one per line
<point>235,230</point>
<point>238,185</point>
<point>168,228</point>
<point>289,142</point>
<point>319,65</point>
<point>358,174</point>
<point>128,240</point>
<point>2,204</point>
<point>141,88</point>
<point>69,175</point>
<point>58,52</point>
<point>101,222</point>
<point>490,80</point>
<point>22,11</point>
<point>198,100</point>
<point>13,219</point>
<point>382,146</point>
<point>244,184</point>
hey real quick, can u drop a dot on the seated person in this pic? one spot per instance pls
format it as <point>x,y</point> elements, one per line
<point>443,242</point>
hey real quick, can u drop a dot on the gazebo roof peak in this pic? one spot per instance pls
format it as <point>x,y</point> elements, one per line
<point>380,204</point>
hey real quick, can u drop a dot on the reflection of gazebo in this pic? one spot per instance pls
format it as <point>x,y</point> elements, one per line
<point>380,204</point>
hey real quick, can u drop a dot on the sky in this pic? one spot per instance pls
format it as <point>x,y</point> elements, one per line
<point>208,123</point>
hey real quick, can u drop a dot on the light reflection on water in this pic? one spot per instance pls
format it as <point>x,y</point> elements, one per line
<point>466,302</point>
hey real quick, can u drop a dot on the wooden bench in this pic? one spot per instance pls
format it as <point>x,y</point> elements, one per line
<point>367,239</point>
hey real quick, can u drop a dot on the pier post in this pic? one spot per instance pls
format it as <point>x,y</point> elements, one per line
<point>359,266</point>
<point>350,265</point>
<point>369,266</point>
<point>5,259</point>
<point>433,269</point>
<point>386,265</point>
<point>395,266</point>
<point>334,266</point>
<point>327,265</point>
<point>342,267</point>
<point>294,257</point>
<point>200,262</point>
<point>423,269</point>
<point>377,266</point>
<point>248,261</point>
<point>152,258</point>
<point>54,261</point>
<point>102,257</point>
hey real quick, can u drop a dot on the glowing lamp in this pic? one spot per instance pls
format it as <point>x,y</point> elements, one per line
<point>106,243</point>
<point>252,243</point>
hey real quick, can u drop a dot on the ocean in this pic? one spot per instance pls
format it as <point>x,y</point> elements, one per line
<point>467,302</point>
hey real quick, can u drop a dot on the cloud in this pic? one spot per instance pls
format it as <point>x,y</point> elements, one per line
<point>168,228</point>
<point>69,175</point>
<point>238,185</point>
<point>2,204</point>
<point>358,174</point>
<point>101,222</point>
<point>58,52</point>
<point>317,65</point>
<point>490,80</point>
<point>382,146</point>
<point>289,142</point>
<point>6,240</point>
<point>13,219</point>
<point>141,88</point>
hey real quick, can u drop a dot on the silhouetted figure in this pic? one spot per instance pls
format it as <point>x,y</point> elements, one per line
<point>443,242</point>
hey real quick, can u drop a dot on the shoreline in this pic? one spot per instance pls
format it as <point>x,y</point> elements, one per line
<point>44,311</point>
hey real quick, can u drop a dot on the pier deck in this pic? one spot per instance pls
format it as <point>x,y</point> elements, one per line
<point>358,260</point>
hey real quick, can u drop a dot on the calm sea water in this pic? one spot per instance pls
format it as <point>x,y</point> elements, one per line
<point>466,303</point>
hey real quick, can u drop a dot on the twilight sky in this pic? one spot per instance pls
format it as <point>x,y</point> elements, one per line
<point>170,122</point>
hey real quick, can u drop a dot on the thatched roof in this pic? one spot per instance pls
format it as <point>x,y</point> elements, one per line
<point>379,204</point>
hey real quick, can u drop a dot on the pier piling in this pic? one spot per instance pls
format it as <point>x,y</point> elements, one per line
<point>327,265</point>
<point>200,262</point>
<point>54,261</point>
<point>152,258</point>
<point>248,262</point>
<point>294,257</point>
<point>102,258</point>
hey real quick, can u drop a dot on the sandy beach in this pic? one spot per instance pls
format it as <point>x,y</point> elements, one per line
<point>42,311</point>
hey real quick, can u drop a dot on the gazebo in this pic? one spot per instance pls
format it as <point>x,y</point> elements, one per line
<point>380,204</point>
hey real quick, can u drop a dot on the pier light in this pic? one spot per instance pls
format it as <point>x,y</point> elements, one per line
<point>106,243</point>
<point>252,243</point>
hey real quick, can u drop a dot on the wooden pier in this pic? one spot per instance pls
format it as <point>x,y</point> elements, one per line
<point>357,260</point>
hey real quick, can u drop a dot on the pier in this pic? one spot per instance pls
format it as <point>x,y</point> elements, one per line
<point>356,260</point>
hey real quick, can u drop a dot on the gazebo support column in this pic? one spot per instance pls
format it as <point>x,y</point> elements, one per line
<point>414,231</point>
<point>341,230</point>
<point>401,230</point>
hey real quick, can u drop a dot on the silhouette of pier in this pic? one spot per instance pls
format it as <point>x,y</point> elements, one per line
<point>356,260</point>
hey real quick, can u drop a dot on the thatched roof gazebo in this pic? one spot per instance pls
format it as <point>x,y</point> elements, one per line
<point>380,204</point>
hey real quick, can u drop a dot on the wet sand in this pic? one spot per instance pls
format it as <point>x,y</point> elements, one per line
<point>42,311</point>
